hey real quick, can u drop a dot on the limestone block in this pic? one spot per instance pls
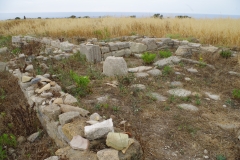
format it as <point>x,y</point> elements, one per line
<point>16,39</point>
<point>113,46</point>
<point>68,108</point>
<point>67,117</point>
<point>66,46</point>
<point>119,53</point>
<point>3,66</point>
<point>123,45</point>
<point>183,51</point>
<point>52,111</point>
<point>92,52</point>
<point>3,50</point>
<point>137,47</point>
<point>150,42</point>
<point>167,61</point>
<point>99,130</point>
<point>105,50</point>
<point>113,66</point>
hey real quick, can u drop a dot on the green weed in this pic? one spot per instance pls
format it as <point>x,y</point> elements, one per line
<point>82,83</point>
<point>167,70</point>
<point>8,140</point>
<point>226,53</point>
<point>165,54</point>
<point>2,94</point>
<point>148,58</point>
<point>3,154</point>
<point>236,93</point>
<point>171,98</point>
<point>16,51</point>
<point>221,157</point>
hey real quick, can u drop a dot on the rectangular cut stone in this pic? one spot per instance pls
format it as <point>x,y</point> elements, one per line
<point>55,44</point>
<point>123,45</point>
<point>107,55</point>
<point>119,53</point>
<point>113,46</point>
<point>105,50</point>
<point>92,52</point>
<point>65,46</point>
<point>16,39</point>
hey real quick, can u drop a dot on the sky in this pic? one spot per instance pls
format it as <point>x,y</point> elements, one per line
<point>226,7</point>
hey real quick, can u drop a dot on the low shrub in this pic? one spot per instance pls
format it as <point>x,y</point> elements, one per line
<point>167,70</point>
<point>148,58</point>
<point>165,54</point>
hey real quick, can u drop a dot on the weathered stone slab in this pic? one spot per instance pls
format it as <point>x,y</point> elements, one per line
<point>52,111</point>
<point>114,66</point>
<point>113,46</point>
<point>137,47</point>
<point>99,130</point>
<point>180,92</point>
<point>167,61</point>
<point>105,50</point>
<point>3,66</point>
<point>183,51</point>
<point>150,42</point>
<point>67,117</point>
<point>92,52</point>
<point>188,107</point>
<point>107,154</point>
<point>139,69</point>
<point>68,108</point>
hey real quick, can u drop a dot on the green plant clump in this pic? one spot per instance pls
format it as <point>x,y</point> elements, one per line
<point>221,157</point>
<point>236,93</point>
<point>226,54</point>
<point>148,58</point>
<point>6,140</point>
<point>165,54</point>
<point>82,83</point>
<point>167,70</point>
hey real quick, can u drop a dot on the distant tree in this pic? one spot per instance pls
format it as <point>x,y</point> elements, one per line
<point>39,18</point>
<point>17,18</point>
<point>72,16</point>
<point>24,17</point>
<point>158,15</point>
<point>79,17</point>
<point>133,16</point>
<point>86,17</point>
<point>182,16</point>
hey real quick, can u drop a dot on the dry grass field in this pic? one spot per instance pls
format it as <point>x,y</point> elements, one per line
<point>220,32</point>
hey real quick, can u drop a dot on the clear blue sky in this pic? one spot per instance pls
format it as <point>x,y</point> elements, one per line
<point>230,7</point>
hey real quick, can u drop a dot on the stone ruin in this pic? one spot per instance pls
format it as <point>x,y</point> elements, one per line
<point>71,127</point>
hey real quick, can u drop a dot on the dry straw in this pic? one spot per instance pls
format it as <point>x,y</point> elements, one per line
<point>222,32</point>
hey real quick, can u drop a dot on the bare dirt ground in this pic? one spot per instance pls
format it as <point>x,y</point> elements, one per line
<point>165,130</point>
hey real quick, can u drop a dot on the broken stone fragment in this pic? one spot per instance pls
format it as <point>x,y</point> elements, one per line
<point>130,142</point>
<point>33,137</point>
<point>46,95</point>
<point>46,87</point>
<point>118,141</point>
<point>26,79</point>
<point>53,83</point>
<point>69,99</point>
<point>79,143</point>
<point>43,79</point>
<point>58,101</point>
<point>67,117</point>
<point>98,130</point>
<point>95,117</point>
<point>35,80</point>
<point>68,108</point>
<point>107,154</point>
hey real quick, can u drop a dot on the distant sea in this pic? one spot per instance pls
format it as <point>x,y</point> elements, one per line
<point>5,16</point>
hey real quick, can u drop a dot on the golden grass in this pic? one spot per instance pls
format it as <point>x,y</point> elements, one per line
<point>221,32</point>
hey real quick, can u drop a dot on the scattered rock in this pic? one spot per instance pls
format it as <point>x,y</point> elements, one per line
<point>158,97</point>
<point>187,79</point>
<point>234,73</point>
<point>69,99</point>
<point>33,137</point>
<point>72,154</point>
<point>46,94</point>
<point>3,50</point>
<point>205,151</point>
<point>21,139</point>
<point>118,141</point>
<point>3,66</point>
<point>167,61</point>
<point>107,154</point>
<point>99,130</point>
<point>29,68</point>
<point>212,96</point>
<point>134,152</point>
<point>92,122</point>
<point>176,84</point>
<point>180,92</point>
<point>141,75</point>
<point>209,49</point>
<point>52,111</point>
<point>138,86</point>
<point>139,69</point>
<point>46,87</point>
<point>35,80</point>
<point>95,117</point>
<point>68,108</point>
<point>52,158</point>
<point>183,51</point>
<point>74,128</point>
<point>58,101</point>
<point>154,72</point>
<point>137,47</point>
<point>67,117</point>
<point>26,79</point>
<point>79,143</point>
<point>150,42</point>
<point>113,66</point>
<point>43,79</point>
<point>188,107</point>
<point>192,70</point>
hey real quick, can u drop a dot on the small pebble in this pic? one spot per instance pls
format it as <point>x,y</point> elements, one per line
<point>187,79</point>
<point>224,106</point>
<point>205,157</point>
<point>205,151</point>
